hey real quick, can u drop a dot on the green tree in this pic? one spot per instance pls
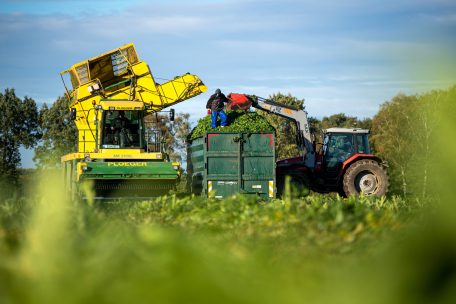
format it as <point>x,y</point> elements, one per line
<point>403,131</point>
<point>59,134</point>
<point>341,120</point>
<point>391,128</point>
<point>285,129</point>
<point>314,125</point>
<point>18,126</point>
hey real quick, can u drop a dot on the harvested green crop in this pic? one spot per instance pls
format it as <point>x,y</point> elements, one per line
<point>238,121</point>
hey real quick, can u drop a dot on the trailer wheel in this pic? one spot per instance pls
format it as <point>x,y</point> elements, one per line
<point>365,176</point>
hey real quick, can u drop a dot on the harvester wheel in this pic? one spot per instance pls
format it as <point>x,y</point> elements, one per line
<point>365,176</point>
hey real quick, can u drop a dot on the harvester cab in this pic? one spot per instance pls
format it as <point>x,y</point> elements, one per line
<point>118,148</point>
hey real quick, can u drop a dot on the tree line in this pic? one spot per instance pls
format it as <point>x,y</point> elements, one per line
<point>402,133</point>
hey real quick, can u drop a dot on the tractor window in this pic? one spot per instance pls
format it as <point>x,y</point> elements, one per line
<point>362,143</point>
<point>339,148</point>
<point>122,129</point>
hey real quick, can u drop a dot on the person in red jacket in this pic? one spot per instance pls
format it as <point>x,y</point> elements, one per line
<point>215,106</point>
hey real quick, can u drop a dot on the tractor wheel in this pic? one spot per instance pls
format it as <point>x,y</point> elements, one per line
<point>365,176</point>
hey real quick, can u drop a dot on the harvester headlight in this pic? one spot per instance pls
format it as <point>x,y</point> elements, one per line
<point>84,168</point>
<point>175,167</point>
<point>93,88</point>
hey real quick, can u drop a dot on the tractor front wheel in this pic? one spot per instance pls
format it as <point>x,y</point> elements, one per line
<point>365,176</point>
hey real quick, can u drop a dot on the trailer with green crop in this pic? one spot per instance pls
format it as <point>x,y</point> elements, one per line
<point>221,164</point>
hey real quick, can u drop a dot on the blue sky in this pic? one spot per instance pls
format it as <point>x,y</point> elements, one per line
<point>340,56</point>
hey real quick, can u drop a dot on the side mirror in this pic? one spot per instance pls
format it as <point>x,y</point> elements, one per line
<point>73,114</point>
<point>171,115</point>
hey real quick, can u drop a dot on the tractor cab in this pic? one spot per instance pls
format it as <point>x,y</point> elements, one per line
<point>340,144</point>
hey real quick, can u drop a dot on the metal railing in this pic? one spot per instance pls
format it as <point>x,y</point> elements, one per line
<point>154,140</point>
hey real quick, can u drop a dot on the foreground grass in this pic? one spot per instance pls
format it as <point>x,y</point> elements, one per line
<point>237,250</point>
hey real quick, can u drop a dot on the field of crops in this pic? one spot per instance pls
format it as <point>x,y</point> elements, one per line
<point>238,250</point>
<point>175,249</point>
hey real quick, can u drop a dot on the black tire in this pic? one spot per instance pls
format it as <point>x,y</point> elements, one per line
<point>366,176</point>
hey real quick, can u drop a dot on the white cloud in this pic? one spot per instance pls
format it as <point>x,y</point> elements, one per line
<point>10,23</point>
<point>271,46</point>
<point>445,18</point>
<point>144,25</point>
<point>53,23</point>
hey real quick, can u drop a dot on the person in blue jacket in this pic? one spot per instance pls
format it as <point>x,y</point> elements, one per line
<point>215,106</point>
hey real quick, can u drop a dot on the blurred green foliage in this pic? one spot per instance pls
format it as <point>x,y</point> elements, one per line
<point>170,250</point>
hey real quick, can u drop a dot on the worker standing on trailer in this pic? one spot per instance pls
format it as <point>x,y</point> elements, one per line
<point>215,106</point>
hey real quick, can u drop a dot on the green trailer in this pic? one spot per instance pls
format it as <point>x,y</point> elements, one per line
<point>223,164</point>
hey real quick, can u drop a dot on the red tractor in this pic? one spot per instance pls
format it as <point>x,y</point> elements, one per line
<point>344,164</point>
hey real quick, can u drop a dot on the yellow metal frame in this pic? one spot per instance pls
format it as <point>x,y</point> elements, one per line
<point>115,154</point>
<point>134,90</point>
<point>122,105</point>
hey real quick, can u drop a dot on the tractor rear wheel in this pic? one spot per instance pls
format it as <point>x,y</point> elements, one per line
<point>365,176</point>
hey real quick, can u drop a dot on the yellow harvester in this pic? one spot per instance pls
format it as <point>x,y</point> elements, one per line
<point>118,154</point>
